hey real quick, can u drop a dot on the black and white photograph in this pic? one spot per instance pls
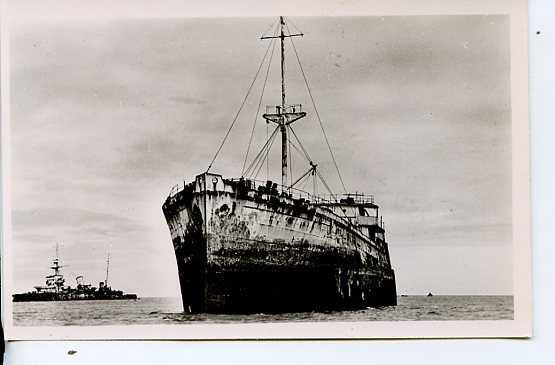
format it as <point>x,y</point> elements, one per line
<point>276,176</point>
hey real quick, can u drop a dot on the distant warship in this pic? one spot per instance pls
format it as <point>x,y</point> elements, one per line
<point>56,290</point>
<point>250,246</point>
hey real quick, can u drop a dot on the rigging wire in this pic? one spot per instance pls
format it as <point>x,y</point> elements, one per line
<point>261,153</point>
<point>314,185</point>
<point>306,182</point>
<point>313,166</point>
<point>299,151</point>
<point>259,102</point>
<point>290,161</point>
<point>240,108</point>
<point>301,145</point>
<point>326,185</point>
<point>305,179</point>
<point>267,159</point>
<point>270,27</point>
<point>317,114</point>
<point>262,160</point>
<point>260,156</point>
<point>293,24</point>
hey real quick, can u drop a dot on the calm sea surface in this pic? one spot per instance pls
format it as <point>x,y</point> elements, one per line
<point>170,311</point>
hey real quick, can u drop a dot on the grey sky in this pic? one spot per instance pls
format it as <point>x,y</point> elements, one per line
<point>107,115</point>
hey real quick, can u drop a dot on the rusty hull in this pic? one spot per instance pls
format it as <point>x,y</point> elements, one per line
<point>240,250</point>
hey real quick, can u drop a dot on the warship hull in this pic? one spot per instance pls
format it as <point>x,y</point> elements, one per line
<point>245,250</point>
<point>52,297</point>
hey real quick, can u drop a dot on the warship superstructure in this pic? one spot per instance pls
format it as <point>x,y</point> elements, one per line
<point>248,246</point>
<point>55,288</point>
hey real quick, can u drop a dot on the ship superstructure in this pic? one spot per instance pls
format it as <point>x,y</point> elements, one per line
<point>244,245</point>
<point>56,290</point>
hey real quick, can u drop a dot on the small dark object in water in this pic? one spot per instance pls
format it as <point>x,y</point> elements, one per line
<point>430,295</point>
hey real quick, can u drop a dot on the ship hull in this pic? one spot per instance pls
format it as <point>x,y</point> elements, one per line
<point>54,297</point>
<point>242,253</point>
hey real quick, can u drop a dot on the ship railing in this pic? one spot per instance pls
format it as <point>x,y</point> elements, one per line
<point>356,198</point>
<point>294,193</point>
<point>288,108</point>
<point>291,193</point>
<point>176,189</point>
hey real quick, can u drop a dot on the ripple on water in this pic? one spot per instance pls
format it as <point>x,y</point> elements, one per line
<point>169,311</point>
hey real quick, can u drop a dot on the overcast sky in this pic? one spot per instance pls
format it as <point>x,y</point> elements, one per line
<point>108,115</point>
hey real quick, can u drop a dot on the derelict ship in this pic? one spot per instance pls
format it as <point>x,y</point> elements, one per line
<point>244,246</point>
<point>56,290</point>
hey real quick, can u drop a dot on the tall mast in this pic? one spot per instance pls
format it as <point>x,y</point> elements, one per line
<point>282,127</point>
<point>57,278</point>
<point>282,36</point>
<point>56,262</point>
<point>107,270</point>
<point>284,115</point>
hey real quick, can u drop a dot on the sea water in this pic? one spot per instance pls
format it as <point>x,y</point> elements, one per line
<point>170,311</point>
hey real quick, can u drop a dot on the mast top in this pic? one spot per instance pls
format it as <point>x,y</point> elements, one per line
<point>283,114</point>
<point>282,33</point>
<point>282,37</point>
